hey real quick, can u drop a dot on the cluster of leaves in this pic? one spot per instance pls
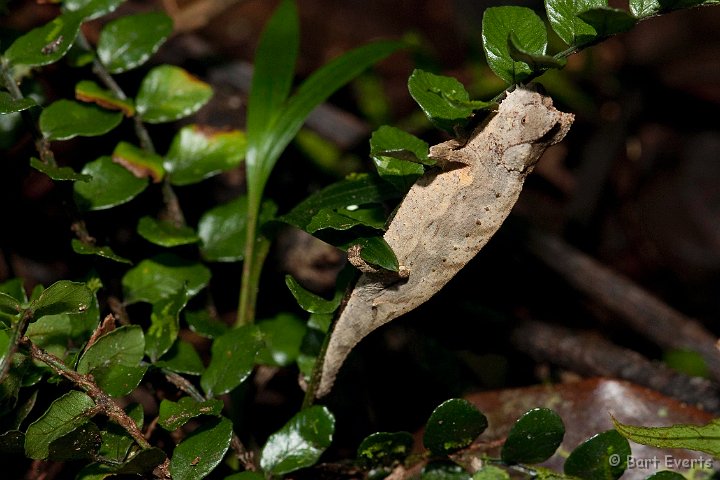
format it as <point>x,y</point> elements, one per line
<point>57,333</point>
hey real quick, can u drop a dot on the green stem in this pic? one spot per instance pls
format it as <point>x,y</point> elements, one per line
<point>256,249</point>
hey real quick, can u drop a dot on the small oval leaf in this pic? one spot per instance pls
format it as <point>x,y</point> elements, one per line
<point>300,442</point>
<point>453,425</point>
<point>173,415</point>
<point>165,233</point>
<point>169,93</point>
<point>129,41</point>
<point>90,92</point>
<point>110,185</point>
<point>282,339</point>
<point>105,252</point>
<point>383,448</point>
<point>311,302</point>
<point>534,437</point>
<point>139,162</point>
<point>162,276</point>
<point>201,451</point>
<point>65,119</point>
<point>45,44</point>
<point>563,18</point>
<point>63,296</point>
<point>602,457</point>
<point>91,9</point>
<point>8,104</point>
<point>233,358</point>
<point>58,173</point>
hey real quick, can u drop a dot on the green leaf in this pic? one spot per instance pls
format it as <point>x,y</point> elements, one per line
<point>232,360</point>
<point>10,105</point>
<point>529,36</point>
<point>345,218</point>
<point>265,149</point>
<point>608,21</point>
<point>300,442</point>
<point>453,425</point>
<point>536,62</point>
<point>702,438</point>
<point>376,251</point>
<point>139,162</point>
<point>128,42</point>
<point>444,470</point>
<point>82,443</point>
<point>384,449</point>
<point>534,437</point>
<point>174,415</point>
<point>9,305</point>
<point>222,230</point>
<point>163,276</point>
<point>51,333</point>
<point>116,442</point>
<point>563,17</point>
<point>311,302</point>
<point>199,152</point>
<point>282,338</point>
<point>111,185</point>
<point>164,324</point>
<point>352,191</point>
<point>65,119</point>
<point>182,358</point>
<point>644,8</point>
<point>601,457</point>
<point>64,415</point>
<point>399,156</point>
<point>274,67</point>
<point>58,173</point>
<point>666,475</point>
<point>104,252</point>
<point>91,9</point>
<point>202,323</point>
<point>90,92</point>
<point>443,99</point>
<point>165,233</point>
<point>245,476</point>
<point>114,360</point>
<point>169,93</point>
<point>201,451</point>
<point>46,44</point>
<point>491,472</point>
<point>63,296</point>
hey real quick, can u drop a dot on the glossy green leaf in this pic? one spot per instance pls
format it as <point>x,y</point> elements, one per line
<point>666,475</point>
<point>602,457</point>
<point>114,360</point>
<point>14,287</point>
<point>4,349</point>
<point>52,333</point>
<point>182,358</point>
<point>491,472</point>
<point>63,296</point>
<point>352,191</point>
<point>173,415</point>
<point>534,437</point>
<point>443,99</point>
<point>444,470</point>
<point>111,185</point>
<point>64,415</point>
<point>201,451</point>
<point>80,444</point>
<point>282,338</point>
<point>90,92</point>
<point>138,161</point>
<point>169,93</point>
<point>563,17</point>
<point>222,229</point>
<point>163,276</point>
<point>91,9</point>
<point>66,119</point>
<point>199,152</point>
<point>376,251</point>
<point>608,21</point>
<point>383,448</point>
<point>58,173</point>
<point>202,323</point>
<point>8,304</point>
<point>453,425</point>
<point>399,156</point>
<point>300,442</point>
<point>537,62</point>
<point>9,105</point>
<point>644,8</point>
<point>311,302</point>
<point>345,218</point>
<point>528,33</point>
<point>116,442</point>
<point>164,324</point>
<point>702,438</point>
<point>165,233</point>
<point>129,41</point>
<point>45,44</point>
<point>245,476</point>
<point>104,252</point>
<point>232,360</point>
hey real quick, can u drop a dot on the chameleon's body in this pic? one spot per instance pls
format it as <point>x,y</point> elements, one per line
<point>448,216</point>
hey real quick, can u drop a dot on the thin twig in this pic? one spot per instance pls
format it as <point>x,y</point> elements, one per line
<point>18,330</point>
